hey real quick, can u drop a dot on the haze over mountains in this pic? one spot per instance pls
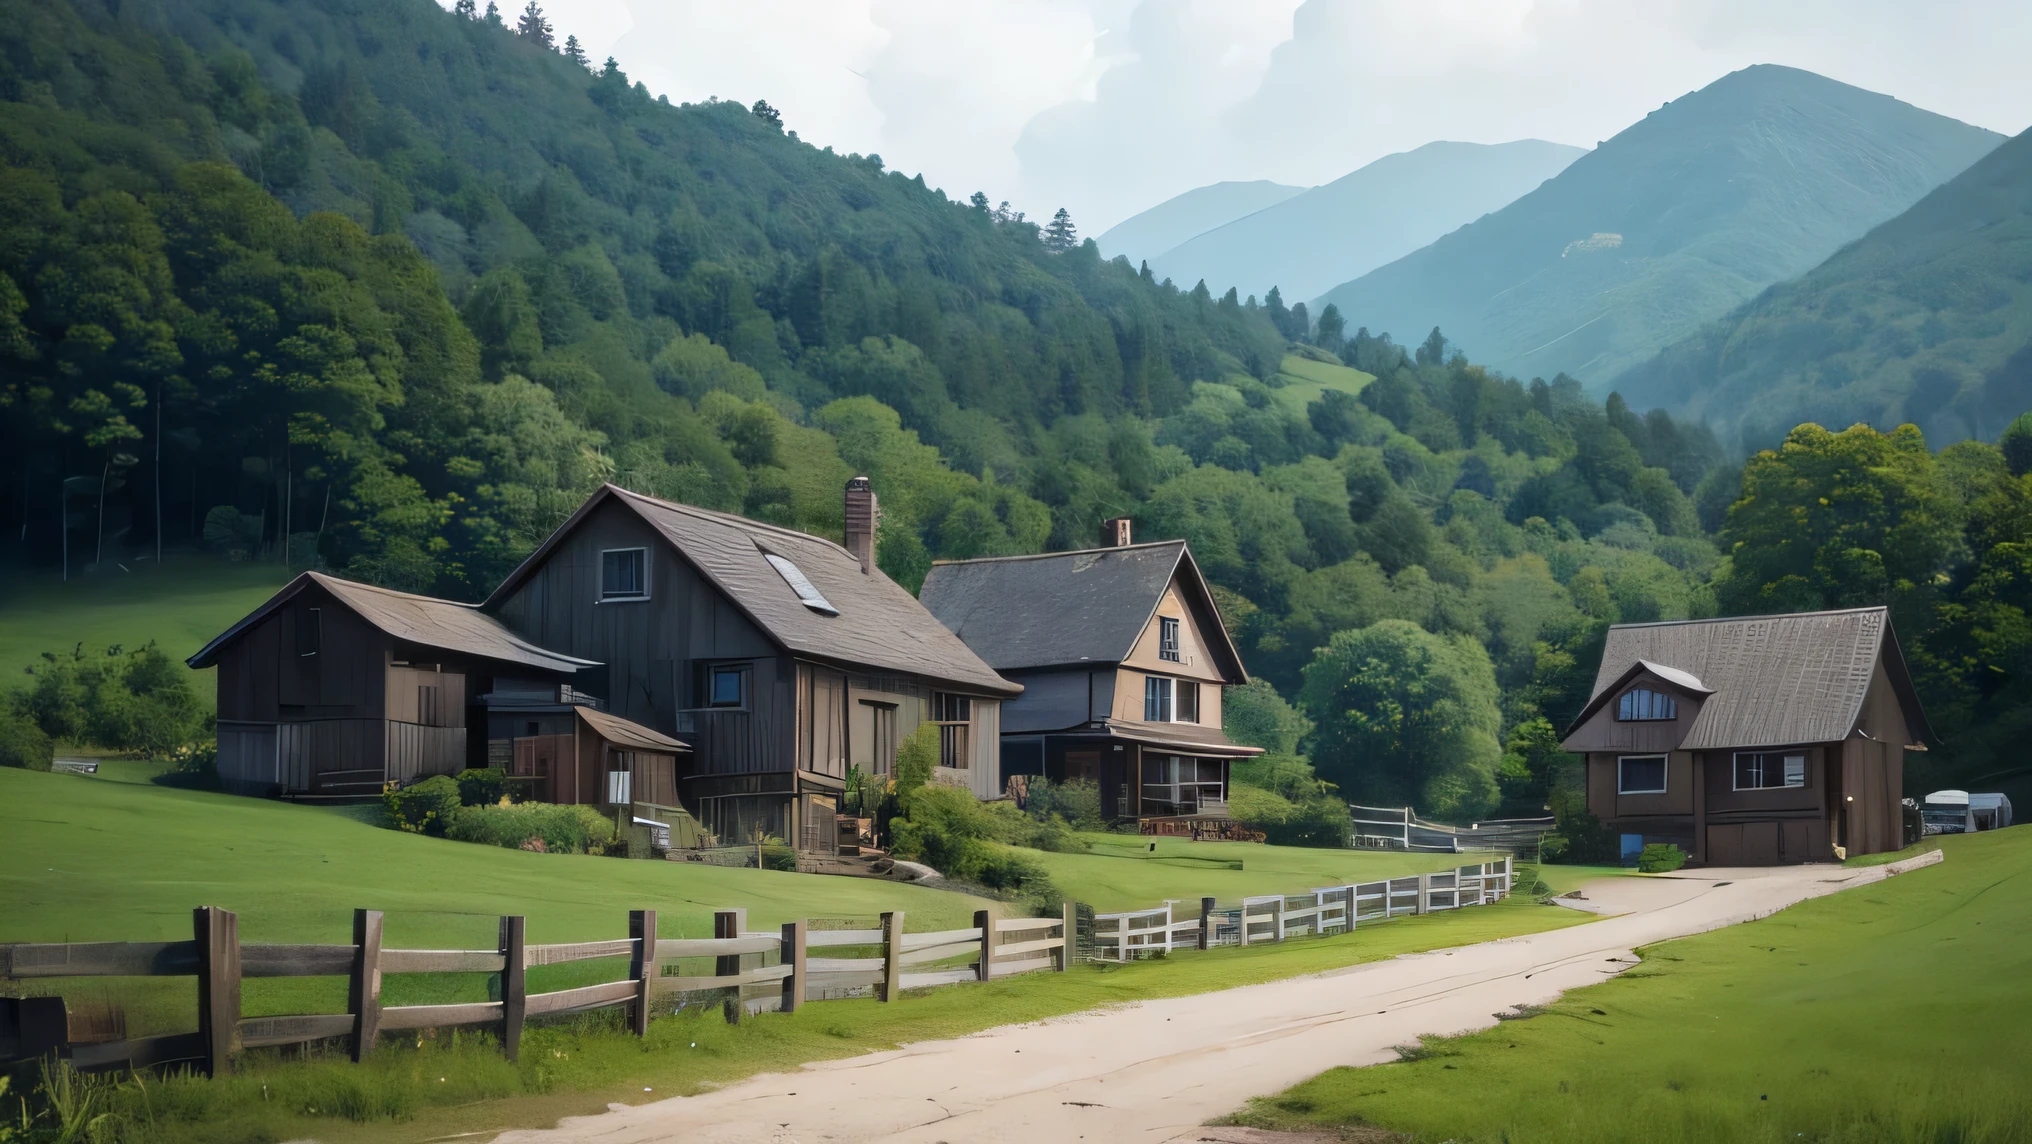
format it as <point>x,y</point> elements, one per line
<point>1177,219</point>
<point>1927,319</point>
<point>1754,179</point>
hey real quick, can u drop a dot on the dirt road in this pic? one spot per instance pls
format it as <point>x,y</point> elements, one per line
<point>1154,1071</point>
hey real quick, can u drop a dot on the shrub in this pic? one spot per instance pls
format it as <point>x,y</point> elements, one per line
<point>484,786</point>
<point>563,829</point>
<point>138,701</point>
<point>1055,836</point>
<point>916,759</point>
<point>23,744</point>
<point>1076,801</point>
<point>947,828</point>
<point>195,764</point>
<point>427,807</point>
<point>1660,858</point>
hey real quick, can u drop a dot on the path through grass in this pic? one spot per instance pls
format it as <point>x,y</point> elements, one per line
<point>1895,1012</point>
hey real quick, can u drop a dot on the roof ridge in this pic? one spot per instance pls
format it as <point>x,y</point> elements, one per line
<point>732,519</point>
<point>1742,619</point>
<point>1055,555</point>
<point>328,580</point>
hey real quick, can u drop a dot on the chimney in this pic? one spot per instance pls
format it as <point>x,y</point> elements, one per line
<point>1115,533</point>
<point>863,517</point>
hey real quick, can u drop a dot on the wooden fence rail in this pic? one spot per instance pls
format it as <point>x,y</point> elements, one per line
<point>885,960</point>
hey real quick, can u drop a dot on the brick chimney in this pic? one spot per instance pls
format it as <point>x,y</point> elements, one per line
<point>863,517</point>
<point>1115,533</point>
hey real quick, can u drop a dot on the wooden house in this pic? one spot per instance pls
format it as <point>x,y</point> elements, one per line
<point>1123,659</point>
<point>333,688</point>
<point>1752,741</point>
<point>781,658</point>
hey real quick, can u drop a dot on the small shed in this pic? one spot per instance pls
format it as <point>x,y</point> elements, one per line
<point>620,763</point>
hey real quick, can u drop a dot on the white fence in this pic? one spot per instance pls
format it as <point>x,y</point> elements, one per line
<point>1277,917</point>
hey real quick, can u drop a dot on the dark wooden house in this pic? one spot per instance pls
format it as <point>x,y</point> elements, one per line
<point>1123,659</point>
<point>780,658</point>
<point>1752,741</point>
<point>334,687</point>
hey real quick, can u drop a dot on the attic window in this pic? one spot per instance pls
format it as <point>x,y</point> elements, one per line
<point>1639,705</point>
<point>800,584</point>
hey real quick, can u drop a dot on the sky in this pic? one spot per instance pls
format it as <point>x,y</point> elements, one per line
<point>1108,107</point>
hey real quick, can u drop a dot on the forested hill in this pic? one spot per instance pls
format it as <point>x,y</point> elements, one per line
<point>1927,319</point>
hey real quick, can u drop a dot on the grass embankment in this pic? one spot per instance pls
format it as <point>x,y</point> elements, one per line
<point>1305,379</point>
<point>1894,1012</point>
<point>115,857</point>
<point>180,605</point>
<point>1123,872</point>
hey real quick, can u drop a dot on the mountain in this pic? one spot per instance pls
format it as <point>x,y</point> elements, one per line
<point>1149,233</point>
<point>1387,209</point>
<point>1927,319</point>
<point>1756,178</point>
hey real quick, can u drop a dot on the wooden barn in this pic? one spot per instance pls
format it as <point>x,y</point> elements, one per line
<point>1123,659</point>
<point>779,657</point>
<point>1752,741</point>
<point>333,688</point>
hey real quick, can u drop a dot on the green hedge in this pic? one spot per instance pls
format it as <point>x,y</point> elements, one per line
<point>562,829</point>
<point>23,744</point>
<point>1660,858</point>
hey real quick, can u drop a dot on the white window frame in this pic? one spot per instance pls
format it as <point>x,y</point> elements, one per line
<point>1170,650</point>
<point>1805,769</point>
<point>1664,773</point>
<point>1160,692</point>
<point>604,598</point>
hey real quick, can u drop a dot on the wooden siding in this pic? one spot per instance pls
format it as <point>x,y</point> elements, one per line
<point>1604,732</point>
<point>1724,800</point>
<point>822,720</point>
<point>260,673</point>
<point>416,751</point>
<point>1127,696</point>
<point>867,696</point>
<point>406,696</point>
<point>1194,662</point>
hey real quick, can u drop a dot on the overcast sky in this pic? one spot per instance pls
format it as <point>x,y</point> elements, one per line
<point>1110,106</point>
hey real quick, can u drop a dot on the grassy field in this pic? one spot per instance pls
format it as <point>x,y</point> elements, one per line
<point>1124,872</point>
<point>180,605</point>
<point>1896,1012</point>
<point>1305,379</point>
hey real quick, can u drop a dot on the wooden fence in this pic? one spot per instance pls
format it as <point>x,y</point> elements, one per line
<point>1335,909</point>
<point>892,961</point>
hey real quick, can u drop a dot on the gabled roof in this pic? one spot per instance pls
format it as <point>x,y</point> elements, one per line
<point>1775,680</point>
<point>1071,608</point>
<point>878,625</point>
<point>425,621</point>
<point>615,729</point>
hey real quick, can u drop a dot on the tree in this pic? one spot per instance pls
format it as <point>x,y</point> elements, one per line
<point>1280,317</point>
<point>1255,715</point>
<point>1301,323</point>
<point>2017,445</point>
<point>534,26</point>
<point>493,17</point>
<point>767,114</point>
<point>1332,329</point>
<point>1059,234</point>
<point>573,51</point>
<point>1406,718</point>
<point>979,202</point>
<point>1433,350</point>
<point>465,8</point>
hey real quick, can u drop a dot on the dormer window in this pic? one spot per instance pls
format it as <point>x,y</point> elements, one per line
<point>1167,638</point>
<point>1642,705</point>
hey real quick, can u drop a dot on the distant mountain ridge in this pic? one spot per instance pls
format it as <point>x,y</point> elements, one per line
<point>1147,234</point>
<point>1312,241</point>
<point>1753,179</point>
<point>1927,319</point>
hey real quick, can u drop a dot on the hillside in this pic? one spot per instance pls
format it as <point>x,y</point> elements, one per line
<point>1311,242</point>
<point>1928,319</point>
<point>1753,179</point>
<point>1149,233</point>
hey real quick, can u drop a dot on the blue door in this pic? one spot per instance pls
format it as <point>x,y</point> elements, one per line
<point>1633,848</point>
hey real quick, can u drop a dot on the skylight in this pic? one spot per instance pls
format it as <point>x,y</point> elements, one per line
<point>801,584</point>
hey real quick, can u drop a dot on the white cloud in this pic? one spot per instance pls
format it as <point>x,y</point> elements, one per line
<point>1108,106</point>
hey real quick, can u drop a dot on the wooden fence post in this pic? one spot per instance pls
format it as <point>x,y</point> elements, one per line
<point>1348,909</point>
<point>727,923</point>
<point>793,956</point>
<point>641,966</point>
<point>892,955</point>
<point>1068,916</point>
<point>1423,903</point>
<point>1277,920</point>
<point>363,994</point>
<point>218,940</point>
<point>1206,922</point>
<point>986,924</point>
<point>514,984</point>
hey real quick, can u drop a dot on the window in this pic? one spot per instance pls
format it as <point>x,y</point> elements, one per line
<point>1167,638</point>
<point>883,736</point>
<point>1640,774</point>
<point>1639,705</point>
<point>1188,702</point>
<point>624,574</point>
<point>310,631</point>
<point>954,715</point>
<point>801,584</point>
<point>1765,770</point>
<point>1157,696</point>
<point>723,687</point>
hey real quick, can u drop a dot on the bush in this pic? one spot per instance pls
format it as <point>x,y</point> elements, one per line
<point>1282,797</point>
<point>484,786</point>
<point>950,830</point>
<point>1660,858</point>
<point>1076,801</point>
<point>195,764</point>
<point>427,807</point>
<point>23,744</point>
<point>137,701</point>
<point>564,829</point>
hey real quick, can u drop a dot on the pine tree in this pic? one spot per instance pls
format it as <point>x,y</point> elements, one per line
<point>1060,235</point>
<point>534,26</point>
<point>573,51</point>
<point>493,17</point>
<point>1273,308</point>
<point>1144,274</point>
<point>1301,323</point>
<point>1333,329</point>
<point>465,8</point>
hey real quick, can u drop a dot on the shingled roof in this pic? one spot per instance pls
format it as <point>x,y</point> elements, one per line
<point>1069,608</point>
<point>424,621</point>
<point>877,624</point>
<point>1776,680</point>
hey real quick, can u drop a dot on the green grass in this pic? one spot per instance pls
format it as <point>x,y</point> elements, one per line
<point>1122,872</point>
<point>1893,1012</point>
<point>181,605</point>
<point>1305,379</point>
